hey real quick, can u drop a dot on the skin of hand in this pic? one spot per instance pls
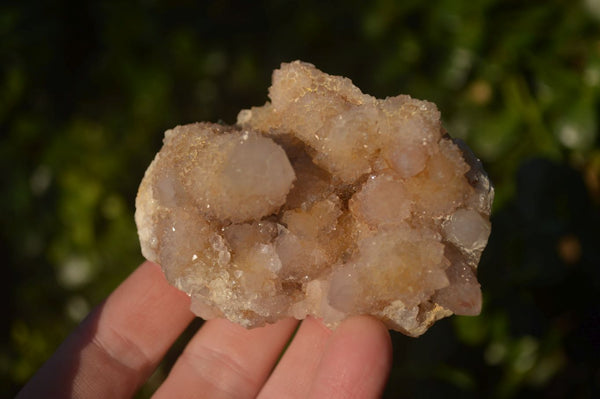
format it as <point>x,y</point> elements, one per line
<point>121,342</point>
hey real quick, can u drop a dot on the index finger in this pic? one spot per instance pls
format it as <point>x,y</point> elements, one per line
<point>116,348</point>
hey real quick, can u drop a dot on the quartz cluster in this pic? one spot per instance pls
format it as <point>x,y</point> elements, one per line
<point>326,202</point>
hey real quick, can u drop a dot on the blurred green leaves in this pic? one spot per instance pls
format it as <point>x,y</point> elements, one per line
<point>87,90</point>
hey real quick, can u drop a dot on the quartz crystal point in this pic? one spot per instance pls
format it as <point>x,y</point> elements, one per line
<point>326,202</point>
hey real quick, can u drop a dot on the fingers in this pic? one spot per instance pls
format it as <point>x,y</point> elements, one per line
<point>351,362</point>
<point>119,344</point>
<point>356,361</point>
<point>224,360</point>
<point>296,370</point>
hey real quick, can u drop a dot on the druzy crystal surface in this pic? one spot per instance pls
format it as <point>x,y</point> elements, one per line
<point>326,202</point>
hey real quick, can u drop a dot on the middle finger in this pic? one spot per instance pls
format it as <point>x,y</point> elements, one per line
<point>224,360</point>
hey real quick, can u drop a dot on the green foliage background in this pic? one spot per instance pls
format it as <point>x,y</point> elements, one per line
<point>87,89</point>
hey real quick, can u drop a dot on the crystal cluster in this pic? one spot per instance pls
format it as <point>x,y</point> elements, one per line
<point>326,202</point>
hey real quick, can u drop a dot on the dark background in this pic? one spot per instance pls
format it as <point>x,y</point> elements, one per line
<point>87,89</point>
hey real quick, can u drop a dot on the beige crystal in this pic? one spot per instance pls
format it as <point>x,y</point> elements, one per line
<point>324,202</point>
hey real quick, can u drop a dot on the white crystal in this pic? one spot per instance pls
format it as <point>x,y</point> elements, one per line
<point>324,202</point>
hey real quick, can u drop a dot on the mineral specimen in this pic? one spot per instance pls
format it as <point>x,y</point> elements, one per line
<point>325,201</point>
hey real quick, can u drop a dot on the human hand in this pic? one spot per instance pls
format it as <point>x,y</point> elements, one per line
<point>118,346</point>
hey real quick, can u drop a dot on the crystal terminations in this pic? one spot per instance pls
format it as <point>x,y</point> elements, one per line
<point>325,201</point>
